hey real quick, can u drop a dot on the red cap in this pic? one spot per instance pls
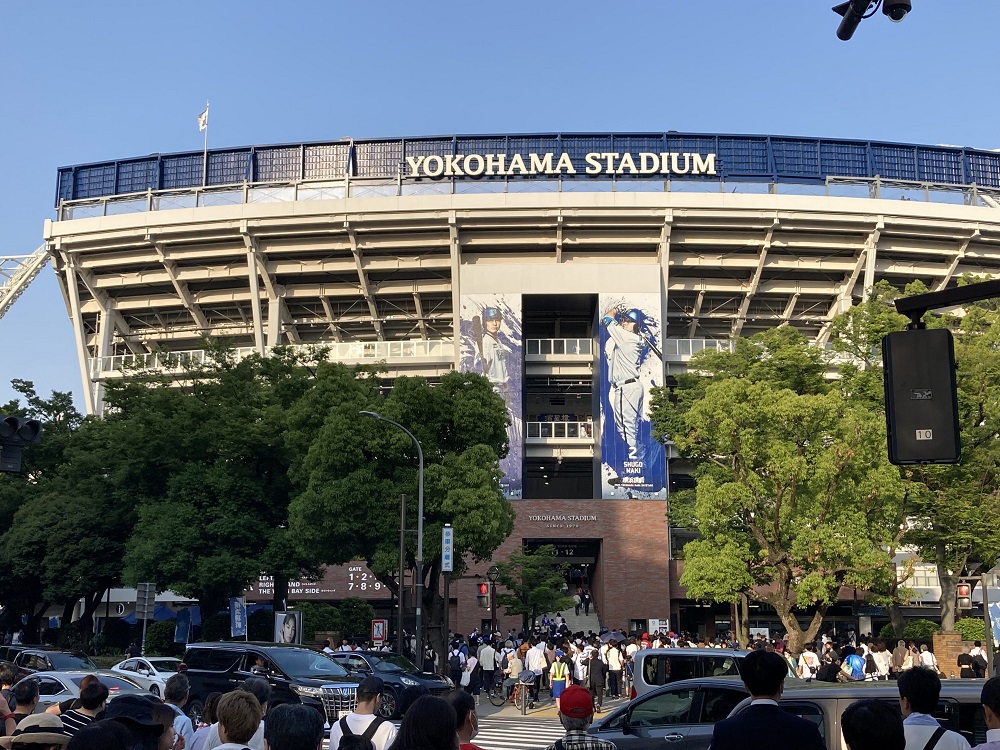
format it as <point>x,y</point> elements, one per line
<point>576,702</point>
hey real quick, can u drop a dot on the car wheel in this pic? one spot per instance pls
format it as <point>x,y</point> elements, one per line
<point>155,690</point>
<point>194,709</point>
<point>387,709</point>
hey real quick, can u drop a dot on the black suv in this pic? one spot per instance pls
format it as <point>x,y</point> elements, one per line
<point>47,659</point>
<point>296,675</point>
<point>397,672</point>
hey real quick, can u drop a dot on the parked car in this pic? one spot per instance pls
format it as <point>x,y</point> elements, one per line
<point>55,687</point>
<point>653,667</point>
<point>296,675</point>
<point>397,672</point>
<point>684,713</point>
<point>151,672</point>
<point>10,652</point>
<point>48,658</point>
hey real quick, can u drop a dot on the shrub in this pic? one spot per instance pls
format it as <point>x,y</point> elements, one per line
<point>117,634</point>
<point>215,627</point>
<point>971,628</point>
<point>887,633</point>
<point>321,617</point>
<point>920,629</point>
<point>160,639</point>
<point>356,617</point>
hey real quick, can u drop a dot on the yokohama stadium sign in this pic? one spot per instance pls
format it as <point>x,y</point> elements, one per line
<point>595,163</point>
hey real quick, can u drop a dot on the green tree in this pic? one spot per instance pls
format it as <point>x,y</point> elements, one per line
<point>795,497</point>
<point>317,617</point>
<point>533,580</point>
<point>205,463</point>
<point>356,617</point>
<point>350,472</point>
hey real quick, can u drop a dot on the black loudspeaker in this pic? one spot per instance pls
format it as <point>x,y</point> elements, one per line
<point>921,403</point>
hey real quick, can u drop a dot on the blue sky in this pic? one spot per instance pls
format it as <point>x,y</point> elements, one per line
<point>83,82</point>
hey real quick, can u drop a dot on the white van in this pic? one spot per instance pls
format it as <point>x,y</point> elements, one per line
<point>653,667</point>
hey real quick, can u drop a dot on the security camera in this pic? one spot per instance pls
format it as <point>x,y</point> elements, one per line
<point>896,10</point>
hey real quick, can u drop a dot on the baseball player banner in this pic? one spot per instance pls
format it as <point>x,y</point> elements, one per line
<point>633,462</point>
<point>492,345</point>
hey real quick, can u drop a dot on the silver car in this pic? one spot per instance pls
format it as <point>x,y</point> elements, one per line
<point>55,687</point>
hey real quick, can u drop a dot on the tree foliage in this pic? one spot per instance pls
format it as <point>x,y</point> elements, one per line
<point>794,497</point>
<point>534,582</point>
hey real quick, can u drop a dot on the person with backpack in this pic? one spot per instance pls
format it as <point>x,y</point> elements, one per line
<point>456,662</point>
<point>364,722</point>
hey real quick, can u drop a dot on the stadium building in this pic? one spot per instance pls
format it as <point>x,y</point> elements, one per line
<point>575,271</point>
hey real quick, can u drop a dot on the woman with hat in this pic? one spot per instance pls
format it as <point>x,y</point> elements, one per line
<point>37,732</point>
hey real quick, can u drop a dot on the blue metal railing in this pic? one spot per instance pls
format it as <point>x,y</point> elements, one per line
<point>755,158</point>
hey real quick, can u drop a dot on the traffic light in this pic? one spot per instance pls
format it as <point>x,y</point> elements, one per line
<point>963,596</point>
<point>15,433</point>
<point>484,595</point>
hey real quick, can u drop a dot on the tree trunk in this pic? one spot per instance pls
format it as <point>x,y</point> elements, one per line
<point>949,585</point>
<point>896,618</point>
<point>743,620</point>
<point>797,637</point>
<point>280,598</point>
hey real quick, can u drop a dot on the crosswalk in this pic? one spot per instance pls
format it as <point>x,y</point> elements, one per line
<point>515,733</point>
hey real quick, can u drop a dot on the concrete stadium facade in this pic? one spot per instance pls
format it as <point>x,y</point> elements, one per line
<point>381,269</point>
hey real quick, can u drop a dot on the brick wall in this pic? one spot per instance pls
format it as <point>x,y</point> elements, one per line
<point>632,576</point>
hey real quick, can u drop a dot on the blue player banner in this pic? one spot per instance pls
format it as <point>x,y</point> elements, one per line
<point>633,462</point>
<point>492,345</point>
<point>238,617</point>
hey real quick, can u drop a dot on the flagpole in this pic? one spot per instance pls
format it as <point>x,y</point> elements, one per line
<point>204,164</point>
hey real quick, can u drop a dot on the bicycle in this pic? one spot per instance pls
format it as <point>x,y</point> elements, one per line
<point>496,692</point>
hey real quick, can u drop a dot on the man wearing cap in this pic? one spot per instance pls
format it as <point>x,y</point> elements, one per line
<point>37,732</point>
<point>576,712</point>
<point>763,725</point>
<point>364,720</point>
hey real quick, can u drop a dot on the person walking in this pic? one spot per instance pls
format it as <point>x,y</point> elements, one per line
<point>616,663</point>
<point>596,676</point>
<point>488,663</point>
<point>585,599</point>
<point>456,662</point>
<point>559,677</point>
<point>898,659</point>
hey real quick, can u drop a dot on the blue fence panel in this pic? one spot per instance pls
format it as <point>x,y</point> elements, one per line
<point>326,161</point>
<point>745,157</point>
<point>844,159</point>
<point>939,165</point>
<point>181,171</point>
<point>704,144</point>
<point>984,169</point>
<point>277,164</point>
<point>228,167</point>
<point>635,145</point>
<point>796,157</point>
<point>378,158</point>
<point>64,186</point>
<point>578,146</point>
<point>428,147</point>
<point>137,176</point>
<point>95,181</point>
<point>483,147</point>
<point>895,162</point>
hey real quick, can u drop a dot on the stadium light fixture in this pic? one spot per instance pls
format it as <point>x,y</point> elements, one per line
<point>853,12</point>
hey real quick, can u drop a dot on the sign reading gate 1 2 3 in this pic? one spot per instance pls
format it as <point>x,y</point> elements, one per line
<point>595,163</point>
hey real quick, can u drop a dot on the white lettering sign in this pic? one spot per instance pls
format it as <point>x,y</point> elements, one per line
<point>598,163</point>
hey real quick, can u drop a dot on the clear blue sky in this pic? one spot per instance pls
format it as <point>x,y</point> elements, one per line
<point>84,82</point>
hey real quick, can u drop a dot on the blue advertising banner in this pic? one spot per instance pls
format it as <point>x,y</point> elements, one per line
<point>633,462</point>
<point>492,345</point>
<point>238,617</point>
<point>995,622</point>
<point>182,626</point>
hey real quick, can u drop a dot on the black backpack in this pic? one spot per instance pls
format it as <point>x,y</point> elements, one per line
<point>363,740</point>
<point>455,660</point>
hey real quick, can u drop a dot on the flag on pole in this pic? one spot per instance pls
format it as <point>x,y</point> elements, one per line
<point>203,120</point>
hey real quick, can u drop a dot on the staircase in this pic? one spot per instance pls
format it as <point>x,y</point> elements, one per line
<point>585,623</point>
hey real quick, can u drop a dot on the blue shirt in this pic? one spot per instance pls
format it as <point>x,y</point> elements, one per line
<point>183,726</point>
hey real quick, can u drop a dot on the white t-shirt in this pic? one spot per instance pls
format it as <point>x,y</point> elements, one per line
<point>928,660</point>
<point>917,736</point>
<point>358,723</point>
<point>213,742</point>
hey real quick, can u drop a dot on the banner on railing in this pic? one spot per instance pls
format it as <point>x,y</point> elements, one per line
<point>633,463</point>
<point>492,345</point>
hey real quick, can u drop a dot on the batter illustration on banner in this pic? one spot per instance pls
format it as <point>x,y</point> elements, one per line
<point>633,461</point>
<point>492,346</point>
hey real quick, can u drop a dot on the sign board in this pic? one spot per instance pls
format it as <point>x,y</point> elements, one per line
<point>145,600</point>
<point>447,550</point>
<point>238,617</point>
<point>659,626</point>
<point>380,629</point>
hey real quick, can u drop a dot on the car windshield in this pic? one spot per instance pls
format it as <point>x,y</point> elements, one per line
<point>164,665</point>
<point>71,661</point>
<point>113,684</point>
<point>300,662</point>
<point>394,664</point>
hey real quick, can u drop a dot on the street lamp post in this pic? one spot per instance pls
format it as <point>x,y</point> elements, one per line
<point>418,625</point>
<point>493,574</point>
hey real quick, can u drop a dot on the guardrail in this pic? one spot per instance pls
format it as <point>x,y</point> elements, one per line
<point>345,351</point>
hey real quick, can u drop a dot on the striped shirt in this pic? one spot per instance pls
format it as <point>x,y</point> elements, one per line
<point>73,721</point>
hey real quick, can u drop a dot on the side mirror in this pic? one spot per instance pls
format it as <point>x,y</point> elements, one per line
<point>626,727</point>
